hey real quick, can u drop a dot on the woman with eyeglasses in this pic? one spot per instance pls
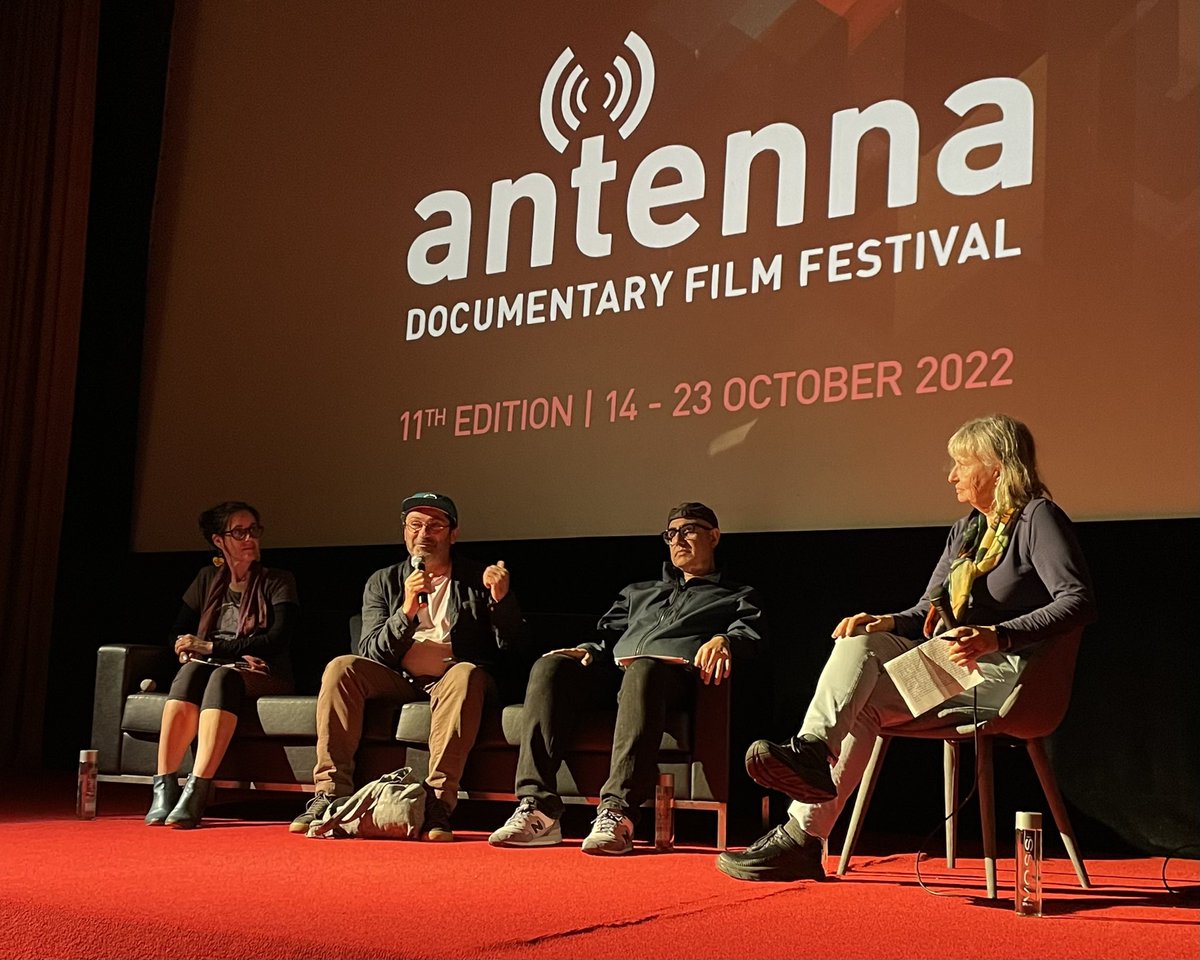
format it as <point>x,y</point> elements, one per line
<point>232,636</point>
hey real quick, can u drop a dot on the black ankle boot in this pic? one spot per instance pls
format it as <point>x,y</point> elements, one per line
<point>166,795</point>
<point>190,809</point>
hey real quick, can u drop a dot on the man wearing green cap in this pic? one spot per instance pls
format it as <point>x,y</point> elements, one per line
<point>433,628</point>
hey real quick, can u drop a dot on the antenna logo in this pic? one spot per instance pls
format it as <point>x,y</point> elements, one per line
<point>655,197</point>
<point>568,93</point>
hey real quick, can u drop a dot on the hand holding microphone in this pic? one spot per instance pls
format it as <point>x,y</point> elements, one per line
<point>416,588</point>
<point>423,593</point>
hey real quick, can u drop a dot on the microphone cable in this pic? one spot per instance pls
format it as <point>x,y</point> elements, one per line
<point>1188,894</point>
<point>961,804</point>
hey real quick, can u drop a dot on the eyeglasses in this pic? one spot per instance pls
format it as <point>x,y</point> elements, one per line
<point>242,533</point>
<point>434,529</point>
<point>688,530</point>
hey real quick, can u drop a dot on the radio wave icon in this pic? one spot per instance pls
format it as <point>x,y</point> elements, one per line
<point>566,83</point>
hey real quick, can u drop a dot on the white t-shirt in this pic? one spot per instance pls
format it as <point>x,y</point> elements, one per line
<point>431,642</point>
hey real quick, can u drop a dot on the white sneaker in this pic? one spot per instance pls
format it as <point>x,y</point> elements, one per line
<point>612,832</point>
<point>527,827</point>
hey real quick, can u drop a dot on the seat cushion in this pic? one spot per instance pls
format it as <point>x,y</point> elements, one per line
<point>593,733</point>
<point>290,716</point>
<point>296,717</point>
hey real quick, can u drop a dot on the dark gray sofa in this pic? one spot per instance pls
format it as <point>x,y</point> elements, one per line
<point>274,747</point>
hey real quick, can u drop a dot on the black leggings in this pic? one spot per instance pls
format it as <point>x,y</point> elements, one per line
<point>216,687</point>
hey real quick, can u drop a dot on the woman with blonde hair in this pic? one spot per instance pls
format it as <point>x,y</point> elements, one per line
<point>1011,576</point>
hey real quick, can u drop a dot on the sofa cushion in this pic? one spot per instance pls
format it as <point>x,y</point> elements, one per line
<point>503,728</point>
<point>283,716</point>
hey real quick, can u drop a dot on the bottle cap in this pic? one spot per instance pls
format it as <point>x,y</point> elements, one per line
<point>88,756</point>
<point>666,779</point>
<point>1029,821</point>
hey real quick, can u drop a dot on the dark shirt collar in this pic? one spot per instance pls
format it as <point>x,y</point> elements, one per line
<point>672,573</point>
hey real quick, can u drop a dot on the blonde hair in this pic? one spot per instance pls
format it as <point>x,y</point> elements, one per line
<point>999,440</point>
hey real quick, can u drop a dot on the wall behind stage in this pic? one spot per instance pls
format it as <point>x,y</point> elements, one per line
<point>765,247</point>
<point>1127,754</point>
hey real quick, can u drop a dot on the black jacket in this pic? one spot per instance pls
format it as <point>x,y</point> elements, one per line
<point>673,617</point>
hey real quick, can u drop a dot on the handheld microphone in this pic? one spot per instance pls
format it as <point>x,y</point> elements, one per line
<point>941,603</point>
<point>422,597</point>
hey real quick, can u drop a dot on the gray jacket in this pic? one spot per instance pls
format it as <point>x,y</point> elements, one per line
<point>479,629</point>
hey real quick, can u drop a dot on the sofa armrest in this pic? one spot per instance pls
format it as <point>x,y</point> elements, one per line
<point>711,745</point>
<point>120,668</point>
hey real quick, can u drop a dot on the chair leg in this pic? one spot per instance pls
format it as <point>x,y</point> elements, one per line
<point>987,812</point>
<point>721,811</point>
<point>866,787</point>
<point>1041,763</point>
<point>950,787</point>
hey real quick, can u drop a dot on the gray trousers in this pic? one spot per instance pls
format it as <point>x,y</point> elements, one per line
<point>855,699</point>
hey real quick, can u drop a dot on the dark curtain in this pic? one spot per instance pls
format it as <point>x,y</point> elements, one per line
<point>47,98</point>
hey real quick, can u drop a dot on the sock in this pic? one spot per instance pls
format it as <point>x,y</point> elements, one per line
<point>792,829</point>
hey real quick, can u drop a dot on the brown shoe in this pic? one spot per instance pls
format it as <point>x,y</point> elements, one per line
<point>317,805</point>
<point>437,822</point>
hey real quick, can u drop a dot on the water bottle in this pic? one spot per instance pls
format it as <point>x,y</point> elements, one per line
<point>664,812</point>
<point>1028,898</point>
<point>85,786</point>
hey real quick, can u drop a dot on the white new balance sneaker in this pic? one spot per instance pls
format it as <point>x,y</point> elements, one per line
<point>612,832</point>
<point>527,827</point>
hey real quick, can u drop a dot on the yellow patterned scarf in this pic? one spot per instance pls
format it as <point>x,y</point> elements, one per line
<point>983,546</point>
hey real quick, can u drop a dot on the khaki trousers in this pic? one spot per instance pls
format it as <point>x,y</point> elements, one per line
<point>855,700</point>
<point>456,702</point>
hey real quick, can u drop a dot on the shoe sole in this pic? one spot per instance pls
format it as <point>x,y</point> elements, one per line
<point>765,770</point>
<point>525,843</point>
<point>297,827</point>
<point>543,841</point>
<point>763,874</point>
<point>605,852</point>
<point>438,836</point>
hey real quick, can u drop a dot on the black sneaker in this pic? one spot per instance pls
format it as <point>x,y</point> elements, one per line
<point>314,811</point>
<point>799,768</point>
<point>437,821</point>
<point>776,856</point>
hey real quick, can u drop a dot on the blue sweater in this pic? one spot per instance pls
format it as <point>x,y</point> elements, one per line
<point>1041,585</point>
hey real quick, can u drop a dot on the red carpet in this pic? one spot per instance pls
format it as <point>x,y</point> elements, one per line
<point>239,888</point>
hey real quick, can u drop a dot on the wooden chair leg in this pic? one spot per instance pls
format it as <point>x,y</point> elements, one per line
<point>865,788</point>
<point>987,812</point>
<point>950,787</point>
<point>1045,773</point>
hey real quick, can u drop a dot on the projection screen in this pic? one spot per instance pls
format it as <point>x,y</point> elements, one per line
<point>572,263</point>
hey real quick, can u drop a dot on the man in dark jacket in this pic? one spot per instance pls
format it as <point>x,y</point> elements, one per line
<point>656,638</point>
<point>432,629</point>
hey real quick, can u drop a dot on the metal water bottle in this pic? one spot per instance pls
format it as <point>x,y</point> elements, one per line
<point>1028,895</point>
<point>85,786</point>
<point>664,812</point>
